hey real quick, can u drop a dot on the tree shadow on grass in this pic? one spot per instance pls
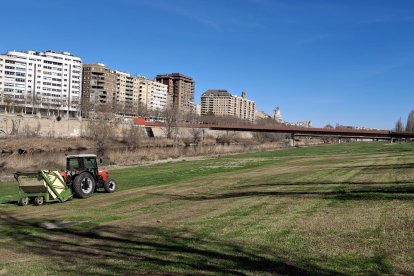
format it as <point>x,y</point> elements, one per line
<point>106,250</point>
<point>394,192</point>
<point>9,202</point>
<point>381,167</point>
<point>316,183</point>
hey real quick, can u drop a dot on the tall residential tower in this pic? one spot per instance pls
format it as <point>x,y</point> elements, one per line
<point>180,91</point>
<point>98,87</point>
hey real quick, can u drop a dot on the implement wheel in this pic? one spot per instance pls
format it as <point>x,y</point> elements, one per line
<point>84,185</point>
<point>38,200</point>
<point>110,185</point>
<point>23,201</point>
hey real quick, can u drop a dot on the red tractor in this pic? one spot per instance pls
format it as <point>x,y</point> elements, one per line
<point>83,176</point>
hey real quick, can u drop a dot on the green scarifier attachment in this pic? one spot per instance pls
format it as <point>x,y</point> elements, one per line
<point>47,184</point>
<point>56,185</point>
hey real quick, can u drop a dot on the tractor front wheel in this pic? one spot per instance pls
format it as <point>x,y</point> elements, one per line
<point>110,185</point>
<point>84,185</point>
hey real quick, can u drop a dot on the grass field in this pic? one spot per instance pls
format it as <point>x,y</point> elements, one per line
<point>338,209</point>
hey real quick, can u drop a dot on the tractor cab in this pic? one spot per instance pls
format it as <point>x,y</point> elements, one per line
<point>84,177</point>
<point>82,162</point>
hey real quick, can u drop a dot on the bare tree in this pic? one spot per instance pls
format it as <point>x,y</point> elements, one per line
<point>15,126</point>
<point>132,135</point>
<point>86,106</point>
<point>143,110</point>
<point>155,114</point>
<point>399,126</point>
<point>211,118</point>
<point>47,104</point>
<point>191,117</point>
<point>226,138</point>
<point>267,122</point>
<point>263,137</point>
<point>171,118</point>
<point>65,106</point>
<point>9,102</point>
<point>100,131</point>
<point>75,104</point>
<point>119,108</point>
<point>101,128</point>
<point>105,110</point>
<point>409,127</point>
<point>328,139</point>
<point>37,102</point>
<point>30,100</point>
<point>232,120</point>
<point>196,136</point>
<point>128,109</point>
<point>27,101</point>
<point>1,96</point>
<point>32,131</point>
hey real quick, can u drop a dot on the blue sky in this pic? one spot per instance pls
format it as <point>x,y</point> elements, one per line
<point>333,61</point>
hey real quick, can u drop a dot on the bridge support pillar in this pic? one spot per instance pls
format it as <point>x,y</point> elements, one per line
<point>292,140</point>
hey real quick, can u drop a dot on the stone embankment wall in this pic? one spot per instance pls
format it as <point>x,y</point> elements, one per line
<point>35,126</point>
<point>26,125</point>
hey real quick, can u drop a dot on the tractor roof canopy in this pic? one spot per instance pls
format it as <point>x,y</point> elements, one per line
<point>81,155</point>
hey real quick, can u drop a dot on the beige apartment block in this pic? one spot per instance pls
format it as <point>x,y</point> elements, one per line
<point>99,87</point>
<point>126,94</point>
<point>144,91</point>
<point>222,103</point>
<point>136,94</point>
<point>180,91</point>
<point>152,94</point>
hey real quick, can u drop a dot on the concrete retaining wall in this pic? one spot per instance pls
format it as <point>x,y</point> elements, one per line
<point>32,125</point>
<point>27,125</point>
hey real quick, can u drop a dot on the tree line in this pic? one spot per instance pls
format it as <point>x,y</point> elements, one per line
<point>408,127</point>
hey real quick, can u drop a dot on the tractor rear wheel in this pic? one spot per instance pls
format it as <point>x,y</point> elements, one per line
<point>110,185</point>
<point>23,201</point>
<point>38,200</point>
<point>84,185</point>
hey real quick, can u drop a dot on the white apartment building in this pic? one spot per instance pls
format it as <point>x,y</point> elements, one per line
<point>45,82</point>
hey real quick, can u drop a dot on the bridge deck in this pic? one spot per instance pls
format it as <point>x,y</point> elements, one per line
<point>350,133</point>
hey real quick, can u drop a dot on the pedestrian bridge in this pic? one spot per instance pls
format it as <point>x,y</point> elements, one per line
<point>301,131</point>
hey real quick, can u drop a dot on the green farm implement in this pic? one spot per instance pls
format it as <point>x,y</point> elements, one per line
<point>42,186</point>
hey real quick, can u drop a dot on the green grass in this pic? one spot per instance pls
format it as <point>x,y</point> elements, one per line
<point>173,172</point>
<point>336,209</point>
<point>8,192</point>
